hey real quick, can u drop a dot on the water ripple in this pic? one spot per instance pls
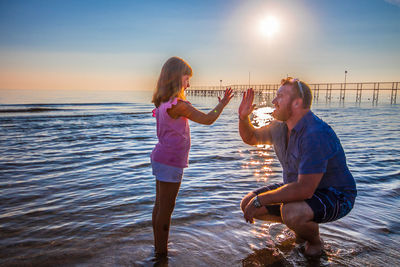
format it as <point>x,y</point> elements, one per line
<point>77,189</point>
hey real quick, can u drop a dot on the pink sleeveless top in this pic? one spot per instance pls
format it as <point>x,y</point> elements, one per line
<point>173,137</point>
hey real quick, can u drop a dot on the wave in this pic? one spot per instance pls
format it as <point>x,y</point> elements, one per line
<point>65,104</point>
<point>207,159</point>
<point>39,110</point>
<point>137,113</point>
<point>33,110</point>
<point>103,108</point>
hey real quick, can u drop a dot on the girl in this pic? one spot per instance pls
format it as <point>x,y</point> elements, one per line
<point>170,155</point>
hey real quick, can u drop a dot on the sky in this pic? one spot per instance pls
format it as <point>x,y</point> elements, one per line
<point>122,45</point>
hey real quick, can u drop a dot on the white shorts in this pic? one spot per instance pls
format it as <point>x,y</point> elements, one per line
<point>167,173</point>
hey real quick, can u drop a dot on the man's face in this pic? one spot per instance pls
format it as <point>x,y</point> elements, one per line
<point>283,103</point>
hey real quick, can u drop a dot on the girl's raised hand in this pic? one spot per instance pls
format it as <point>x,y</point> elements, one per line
<point>227,97</point>
<point>247,106</point>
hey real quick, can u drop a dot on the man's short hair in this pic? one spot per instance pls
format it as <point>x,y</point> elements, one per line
<point>300,89</point>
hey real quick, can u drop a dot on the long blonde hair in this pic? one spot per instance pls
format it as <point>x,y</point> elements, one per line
<point>170,81</point>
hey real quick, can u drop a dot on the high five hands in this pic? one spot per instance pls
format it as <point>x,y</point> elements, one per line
<point>227,97</point>
<point>246,106</point>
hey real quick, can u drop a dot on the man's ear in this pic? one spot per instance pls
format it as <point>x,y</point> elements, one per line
<point>298,102</point>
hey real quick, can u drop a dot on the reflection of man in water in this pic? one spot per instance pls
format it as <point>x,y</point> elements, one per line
<point>317,185</point>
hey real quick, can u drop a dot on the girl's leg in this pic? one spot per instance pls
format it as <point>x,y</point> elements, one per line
<point>167,196</point>
<point>155,209</point>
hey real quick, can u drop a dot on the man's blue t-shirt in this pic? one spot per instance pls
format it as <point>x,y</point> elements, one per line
<point>313,147</point>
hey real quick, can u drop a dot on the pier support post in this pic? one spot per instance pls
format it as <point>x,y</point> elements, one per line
<point>328,95</point>
<point>393,95</point>
<point>315,92</point>
<point>342,92</point>
<point>375,94</point>
<point>358,92</point>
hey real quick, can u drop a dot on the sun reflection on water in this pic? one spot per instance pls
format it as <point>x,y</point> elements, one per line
<point>262,159</point>
<point>262,116</point>
<point>262,163</point>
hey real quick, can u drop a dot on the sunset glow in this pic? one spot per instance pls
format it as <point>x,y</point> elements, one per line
<point>269,26</point>
<point>79,45</point>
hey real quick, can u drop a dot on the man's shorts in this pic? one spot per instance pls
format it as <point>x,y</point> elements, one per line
<point>166,173</point>
<point>328,204</point>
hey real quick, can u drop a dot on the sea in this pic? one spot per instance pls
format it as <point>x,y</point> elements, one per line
<point>76,186</point>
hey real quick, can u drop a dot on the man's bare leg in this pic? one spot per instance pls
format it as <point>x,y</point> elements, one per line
<point>298,217</point>
<point>299,239</point>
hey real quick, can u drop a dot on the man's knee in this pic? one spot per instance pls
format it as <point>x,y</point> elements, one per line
<point>296,213</point>
<point>246,200</point>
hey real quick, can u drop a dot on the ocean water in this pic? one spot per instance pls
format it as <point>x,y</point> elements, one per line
<point>76,187</point>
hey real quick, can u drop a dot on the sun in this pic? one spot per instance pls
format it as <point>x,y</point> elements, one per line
<point>269,26</point>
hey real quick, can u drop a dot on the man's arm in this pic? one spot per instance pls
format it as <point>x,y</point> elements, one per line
<point>303,189</point>
<point>249,134</point>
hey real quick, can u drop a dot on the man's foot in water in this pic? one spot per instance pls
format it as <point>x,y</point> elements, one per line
<point>313,249</point>
<point>299,240</point>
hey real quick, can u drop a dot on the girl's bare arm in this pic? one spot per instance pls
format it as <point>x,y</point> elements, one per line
<point>187,110</point>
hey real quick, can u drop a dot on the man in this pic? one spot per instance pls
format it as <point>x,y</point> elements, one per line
<point>317,184</point>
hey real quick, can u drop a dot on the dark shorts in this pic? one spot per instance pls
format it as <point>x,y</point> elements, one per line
<point>328,204</point>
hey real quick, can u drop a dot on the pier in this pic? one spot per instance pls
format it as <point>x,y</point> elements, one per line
<point>369,90</point>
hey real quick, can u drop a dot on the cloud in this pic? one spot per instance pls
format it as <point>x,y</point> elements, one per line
<point>394,2</point>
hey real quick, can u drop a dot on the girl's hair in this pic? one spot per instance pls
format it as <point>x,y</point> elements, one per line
<point>170,81</point>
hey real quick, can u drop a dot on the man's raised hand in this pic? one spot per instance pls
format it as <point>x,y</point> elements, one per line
<point>246,106</point>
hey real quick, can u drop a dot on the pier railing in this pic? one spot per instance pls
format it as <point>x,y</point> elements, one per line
<point>357,90</point>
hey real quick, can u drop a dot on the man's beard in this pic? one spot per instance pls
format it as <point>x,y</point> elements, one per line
<point>284,113</point>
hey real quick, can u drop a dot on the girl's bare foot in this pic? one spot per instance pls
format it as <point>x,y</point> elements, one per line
<point>160,255</point>
<point>160,259</point>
